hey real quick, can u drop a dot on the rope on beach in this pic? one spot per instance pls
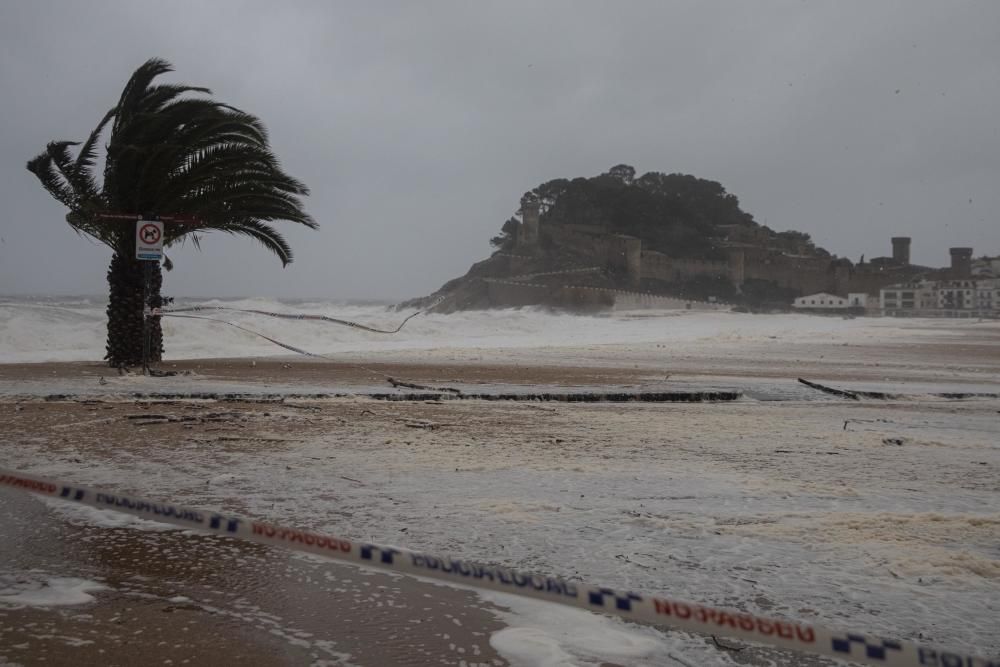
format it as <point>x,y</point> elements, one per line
<point>300,316</point>
<point>159,312</point>
<point>249,331</point>
<point>661,611</point>
<point>388,378</point>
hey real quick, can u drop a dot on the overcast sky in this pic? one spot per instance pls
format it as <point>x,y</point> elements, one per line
<point>418,125</point>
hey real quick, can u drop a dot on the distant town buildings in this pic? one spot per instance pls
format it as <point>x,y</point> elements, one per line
<point>968,288</point>
<point>978,297</point>
<point>825,302</point>
<point>973,297</point>
<point>986,267</point>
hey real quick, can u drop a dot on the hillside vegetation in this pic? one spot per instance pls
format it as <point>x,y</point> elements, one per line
<point>677,214</point>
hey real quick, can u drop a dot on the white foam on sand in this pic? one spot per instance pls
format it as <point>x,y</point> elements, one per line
<point>773,508</point>
<point>75,331</point>
<point>91,516</point>
<point>539,634</point>
<point>779,512</point>
<point>37,589</point>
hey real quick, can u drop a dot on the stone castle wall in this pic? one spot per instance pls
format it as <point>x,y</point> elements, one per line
<point>512,294</point>
<point>747,261</point>
<point>512,263</point>
<point>624,254</point>
<point>805,275</point>
<point>871,280</point>
<point>658,266</point>
<point>586,243</point>
<point>509,294</point>
<point>625,300</point>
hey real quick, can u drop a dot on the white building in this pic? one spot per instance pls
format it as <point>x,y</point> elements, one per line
<point>967,297</point>
<point>909,299</point>
<point>986,267</point>
<point>956,295</point>
<point>821,301</point>
<point>857,300</point>
<point>826,302</point>
<point>988,296</point>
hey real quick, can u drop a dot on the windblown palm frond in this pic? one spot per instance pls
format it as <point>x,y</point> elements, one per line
<point>53,182</point>
<point>172,151</point>
<point>266,235</point>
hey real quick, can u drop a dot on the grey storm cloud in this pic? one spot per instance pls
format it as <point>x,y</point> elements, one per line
<point>419,125</point>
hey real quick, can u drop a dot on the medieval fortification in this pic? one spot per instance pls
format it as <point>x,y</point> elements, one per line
<point>583,266</point>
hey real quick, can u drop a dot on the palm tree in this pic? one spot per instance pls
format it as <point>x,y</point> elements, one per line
<point>171,151</point>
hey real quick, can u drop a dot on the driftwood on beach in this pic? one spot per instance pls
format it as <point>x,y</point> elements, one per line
<point>576,397</point>
<point>579,397</point>
<point>857,395</point>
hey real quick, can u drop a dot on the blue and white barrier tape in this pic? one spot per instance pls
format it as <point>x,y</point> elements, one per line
<point>660,611</point>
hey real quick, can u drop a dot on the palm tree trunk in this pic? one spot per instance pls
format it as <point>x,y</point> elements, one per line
<point>125,336</point>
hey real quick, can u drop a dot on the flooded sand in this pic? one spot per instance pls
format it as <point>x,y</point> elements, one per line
<point>690,495</point>
<point>173,597</point>
<point>787,502</point>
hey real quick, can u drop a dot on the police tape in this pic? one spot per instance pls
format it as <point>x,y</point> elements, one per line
<point>660,611</point>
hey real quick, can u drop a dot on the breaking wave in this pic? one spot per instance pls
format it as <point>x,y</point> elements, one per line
<point>73,329</point>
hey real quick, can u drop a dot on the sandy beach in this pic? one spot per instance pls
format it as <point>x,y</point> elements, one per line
<point>165,597</point>
<point>484,335</point>
<point>879,516</point>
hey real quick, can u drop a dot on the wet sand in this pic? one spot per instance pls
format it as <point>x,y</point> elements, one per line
<point>178,598</point>
<point>195,599</point>
<point>967,355</point>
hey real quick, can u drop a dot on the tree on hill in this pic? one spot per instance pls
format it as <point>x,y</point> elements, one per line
<point>170,151</point>
<point>799,243</point>
<point>677,214</point>
<point>507,234</point>
<point>623,172</point>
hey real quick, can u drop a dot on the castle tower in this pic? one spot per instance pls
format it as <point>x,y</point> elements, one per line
<point>527,231</point>
<point>842,279</point>
<point>901,250</point>
<point>737,268</point>
<point>633,261</point>
<point>961,262</point>
<point>624,255</point>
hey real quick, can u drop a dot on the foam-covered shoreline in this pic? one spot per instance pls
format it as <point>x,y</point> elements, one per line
<point>876,516</point>
<point>74,330</point>
<point>868,514</point>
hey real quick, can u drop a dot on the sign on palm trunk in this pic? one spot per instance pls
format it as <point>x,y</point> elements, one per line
<point>149,240</point>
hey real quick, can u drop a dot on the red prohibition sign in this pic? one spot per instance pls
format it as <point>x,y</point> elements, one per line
<point>149,234</point>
